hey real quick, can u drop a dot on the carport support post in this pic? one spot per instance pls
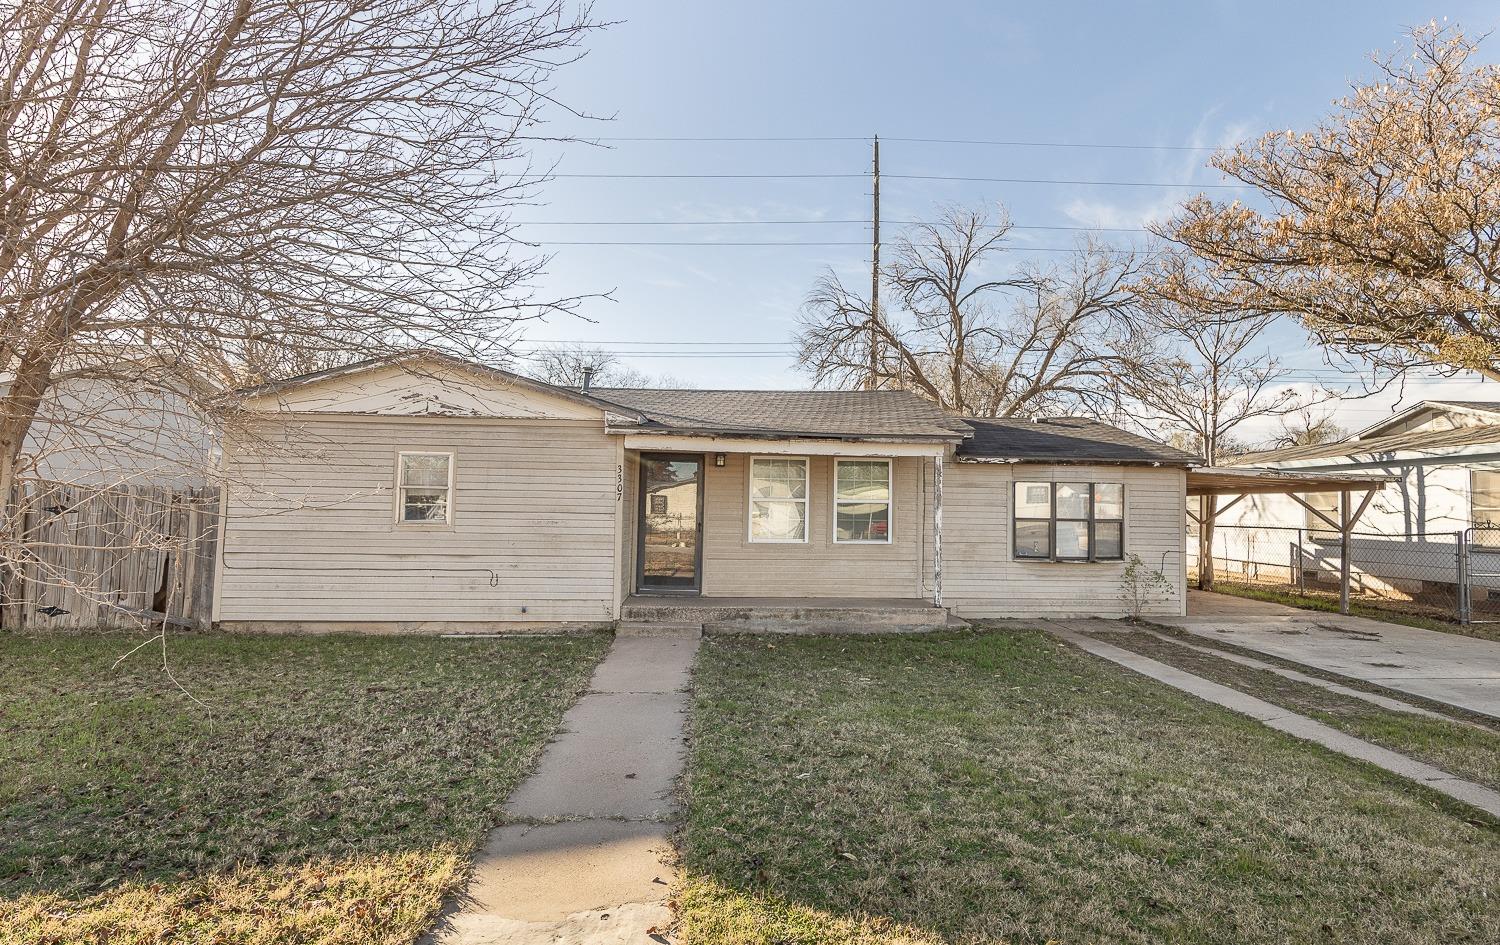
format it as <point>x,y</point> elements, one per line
<point>1346,525</point>
<point>1207,509</point>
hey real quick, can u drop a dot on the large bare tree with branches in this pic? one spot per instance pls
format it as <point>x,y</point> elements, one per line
<point>971,334</point>
<point>249,189</point>
<point>1382,223</point>
<point>1201,378</point>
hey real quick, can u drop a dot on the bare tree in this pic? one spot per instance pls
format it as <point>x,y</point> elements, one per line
<point>1382,223</point>
<point>247,189</point>
<point>962,333</point>
<point>1200,379</point>
<point>1204,378</point>
<point>1308,426</point>
<point>566,365</point>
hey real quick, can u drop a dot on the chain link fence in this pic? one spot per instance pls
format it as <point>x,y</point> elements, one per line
<point>1445,575</point>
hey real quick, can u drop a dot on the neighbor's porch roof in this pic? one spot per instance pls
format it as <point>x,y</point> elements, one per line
<point>1249,480</point>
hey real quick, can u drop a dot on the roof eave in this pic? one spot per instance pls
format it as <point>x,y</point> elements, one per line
<point>1082,461</point>
<point>732,433</point>
<point>474,367</point>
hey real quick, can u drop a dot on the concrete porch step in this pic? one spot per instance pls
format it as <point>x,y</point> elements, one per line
<point>658,628</point>
<point>825,627</point>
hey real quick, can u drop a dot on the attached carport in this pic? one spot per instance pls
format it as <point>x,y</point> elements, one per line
<point>1211,484</point>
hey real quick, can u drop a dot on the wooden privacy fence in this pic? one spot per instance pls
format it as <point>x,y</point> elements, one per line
<point>116,557</point>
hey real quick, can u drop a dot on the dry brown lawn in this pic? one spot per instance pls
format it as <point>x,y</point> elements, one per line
<point>326,790</point>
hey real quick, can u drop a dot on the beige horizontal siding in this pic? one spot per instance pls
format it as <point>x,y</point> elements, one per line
<point>311,536</point>
<point>735,566</point>
<point>980,579</point>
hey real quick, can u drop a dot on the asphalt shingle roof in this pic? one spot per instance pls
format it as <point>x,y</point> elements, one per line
<point>1065,439</point>
<point>1411,441</point>
<point>831,413</point>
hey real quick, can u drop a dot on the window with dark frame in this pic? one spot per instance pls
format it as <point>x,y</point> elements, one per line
<point>1069,521</point>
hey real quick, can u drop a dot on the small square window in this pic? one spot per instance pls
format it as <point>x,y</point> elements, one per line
<point>424,486</point>
<point>1034,540</point>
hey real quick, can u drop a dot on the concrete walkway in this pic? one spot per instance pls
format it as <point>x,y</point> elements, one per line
<point>587,858</point>
<point>1445,667</point>
<point>1081,633</point>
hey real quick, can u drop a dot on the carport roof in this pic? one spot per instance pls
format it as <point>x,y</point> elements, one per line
<point>1250,480</point>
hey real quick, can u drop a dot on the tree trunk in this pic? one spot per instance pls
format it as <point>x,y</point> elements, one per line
<point>18,410</point>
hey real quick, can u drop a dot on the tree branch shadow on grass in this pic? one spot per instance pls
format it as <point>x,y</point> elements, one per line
<point>337,786</point>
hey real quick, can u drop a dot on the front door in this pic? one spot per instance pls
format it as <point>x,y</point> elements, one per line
<point>668,552</point>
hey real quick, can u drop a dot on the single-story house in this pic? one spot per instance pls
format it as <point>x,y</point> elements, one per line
<point>428,493</point>
<point>121,419</point>
<point>1446,456</point>
<point>1443,460</point>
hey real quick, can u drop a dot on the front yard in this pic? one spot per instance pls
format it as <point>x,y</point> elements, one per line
<point>325,790</point>
<point>957,788</point>
<point>988,787</point>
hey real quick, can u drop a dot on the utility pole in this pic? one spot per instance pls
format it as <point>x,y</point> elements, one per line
<point>871,381</point>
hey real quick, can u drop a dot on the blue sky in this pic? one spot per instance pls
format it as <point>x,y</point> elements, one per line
<point>1181,75</point>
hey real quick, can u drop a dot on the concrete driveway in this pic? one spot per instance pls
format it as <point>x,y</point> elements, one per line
<point>1445,667</point>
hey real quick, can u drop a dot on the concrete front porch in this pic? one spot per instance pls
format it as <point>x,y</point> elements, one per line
<point>645,613</point>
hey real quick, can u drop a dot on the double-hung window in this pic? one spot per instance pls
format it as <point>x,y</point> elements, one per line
<point>1484,507</point>
<point>862,500</point>
<point>1069,521</point>
<point>778,498</point>
<point>424,488</point>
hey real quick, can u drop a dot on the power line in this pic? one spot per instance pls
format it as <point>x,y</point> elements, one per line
<point>926,177</point>
<point>737,243</point>
<point>1001,143</point>
<point>990,226</point>
<point>585,341</point>
<point>1070,183</point>
<point>725,243</point>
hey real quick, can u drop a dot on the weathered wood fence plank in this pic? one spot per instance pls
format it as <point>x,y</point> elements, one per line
<point>109,558</point>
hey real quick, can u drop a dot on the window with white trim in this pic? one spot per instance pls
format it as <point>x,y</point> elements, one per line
<point>1326,502</point>
<point>1069,521</point>
<point>1484,507</point>
<point>862,500</point>
<point>778,498</point>
<point>424,488</point>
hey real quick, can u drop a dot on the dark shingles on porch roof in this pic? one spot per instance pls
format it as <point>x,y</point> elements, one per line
<point>1065,440</point>
<point>889,414</point>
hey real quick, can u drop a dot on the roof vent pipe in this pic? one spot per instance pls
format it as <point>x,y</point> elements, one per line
<point>588,379</point>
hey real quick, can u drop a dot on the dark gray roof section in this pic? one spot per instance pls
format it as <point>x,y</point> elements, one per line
<point>1420,441</point>
<point>836,414</point>
<point>1065,440</point>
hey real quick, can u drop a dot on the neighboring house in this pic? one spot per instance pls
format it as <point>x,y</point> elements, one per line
<point>1445,456</point>
<point>429,493</point>
<point>128,423</point>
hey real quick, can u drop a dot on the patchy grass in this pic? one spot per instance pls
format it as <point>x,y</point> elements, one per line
<point>1467,751</point>
<point>1328,602</point>
<point>991,787</point>
<point>330,791</point>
